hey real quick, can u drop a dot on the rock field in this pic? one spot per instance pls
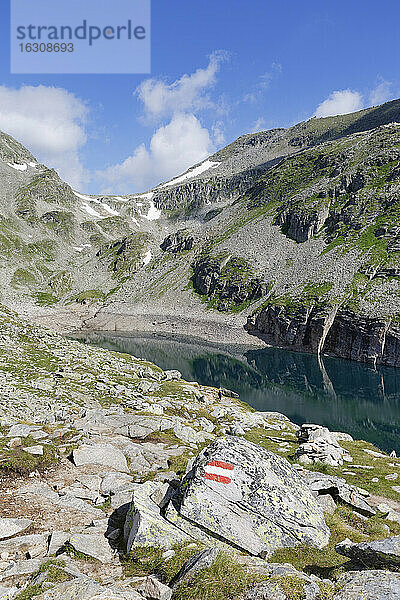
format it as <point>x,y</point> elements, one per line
<point>121,481</point>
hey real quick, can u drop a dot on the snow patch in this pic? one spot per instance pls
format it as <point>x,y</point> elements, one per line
<point>154,213</point>
<point>208,164</point>
<point>81,248</point>
<point>135,221</point>
<point>110,210</point>
<point>83,197</point>
<point>18,167</point>
<point>91,211</point>
<point>147,196</point>
<point>147,258</point>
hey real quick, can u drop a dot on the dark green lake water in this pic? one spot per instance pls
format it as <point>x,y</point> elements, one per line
<point>343,395</point>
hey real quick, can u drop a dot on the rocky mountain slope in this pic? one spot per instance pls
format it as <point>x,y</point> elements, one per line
<point>291,233</point>
<point>122,481</point>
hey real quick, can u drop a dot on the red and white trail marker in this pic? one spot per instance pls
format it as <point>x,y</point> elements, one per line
<point>220,471</point>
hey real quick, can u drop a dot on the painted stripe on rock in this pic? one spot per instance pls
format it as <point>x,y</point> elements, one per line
<point>218,470</point>
<point>222,464</point>
<point>218,478</point>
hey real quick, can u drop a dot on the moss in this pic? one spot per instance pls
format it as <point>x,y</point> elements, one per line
<point>56,575</point>
<point>326,591</point>
<point>29,592</point>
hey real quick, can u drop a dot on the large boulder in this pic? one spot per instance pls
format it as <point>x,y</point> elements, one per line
<point>321,484</point>
<point>92,544</point>
<point>100,454</point>
<point>144,523</point>
<point>18,548</point>
<point>368,585</point>
<point>10,527</point>
<point>177,242</point>
<point>318,444</point>
<point>152,589</point>
<point>377,554</point>
<point>84,588</point>
<point>251,498</point>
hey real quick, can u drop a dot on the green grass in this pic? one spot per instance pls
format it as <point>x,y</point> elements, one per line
<point>56,575</point>
<point>262,437</point>
<point>73,553</point>
<point>44,298</point>
<point>148,560</point>
<point>292,586</point>
<point>327,563</point>
<point>224,580</point>
<point>16,460</point>
<point>88,297</point>
<point>29,592</point>
<point>363,477</point>
<point>178,464</point>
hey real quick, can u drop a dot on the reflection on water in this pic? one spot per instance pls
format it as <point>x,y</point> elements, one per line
<point>343,395</point>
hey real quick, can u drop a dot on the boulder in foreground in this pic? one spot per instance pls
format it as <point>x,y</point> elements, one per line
<point>251,498</point>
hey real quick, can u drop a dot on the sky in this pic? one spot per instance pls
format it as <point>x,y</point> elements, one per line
<point>219,70</point>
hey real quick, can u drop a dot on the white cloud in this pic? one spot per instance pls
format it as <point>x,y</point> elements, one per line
<point>381,93</point>
<point>177,145</point>
<point>50,122</point>
<point>340,102</point>
<point>263,83</point>
<point>218,133</point>
<point>173,149</point>
<point>259,125</point>
<point>187,94</point>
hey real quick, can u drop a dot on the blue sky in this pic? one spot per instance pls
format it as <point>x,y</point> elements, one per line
<point>219,69</point>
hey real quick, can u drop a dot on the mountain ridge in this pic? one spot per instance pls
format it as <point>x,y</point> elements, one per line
<point>290,232</point>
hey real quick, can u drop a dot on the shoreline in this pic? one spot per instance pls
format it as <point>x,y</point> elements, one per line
<point>212,331</point>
